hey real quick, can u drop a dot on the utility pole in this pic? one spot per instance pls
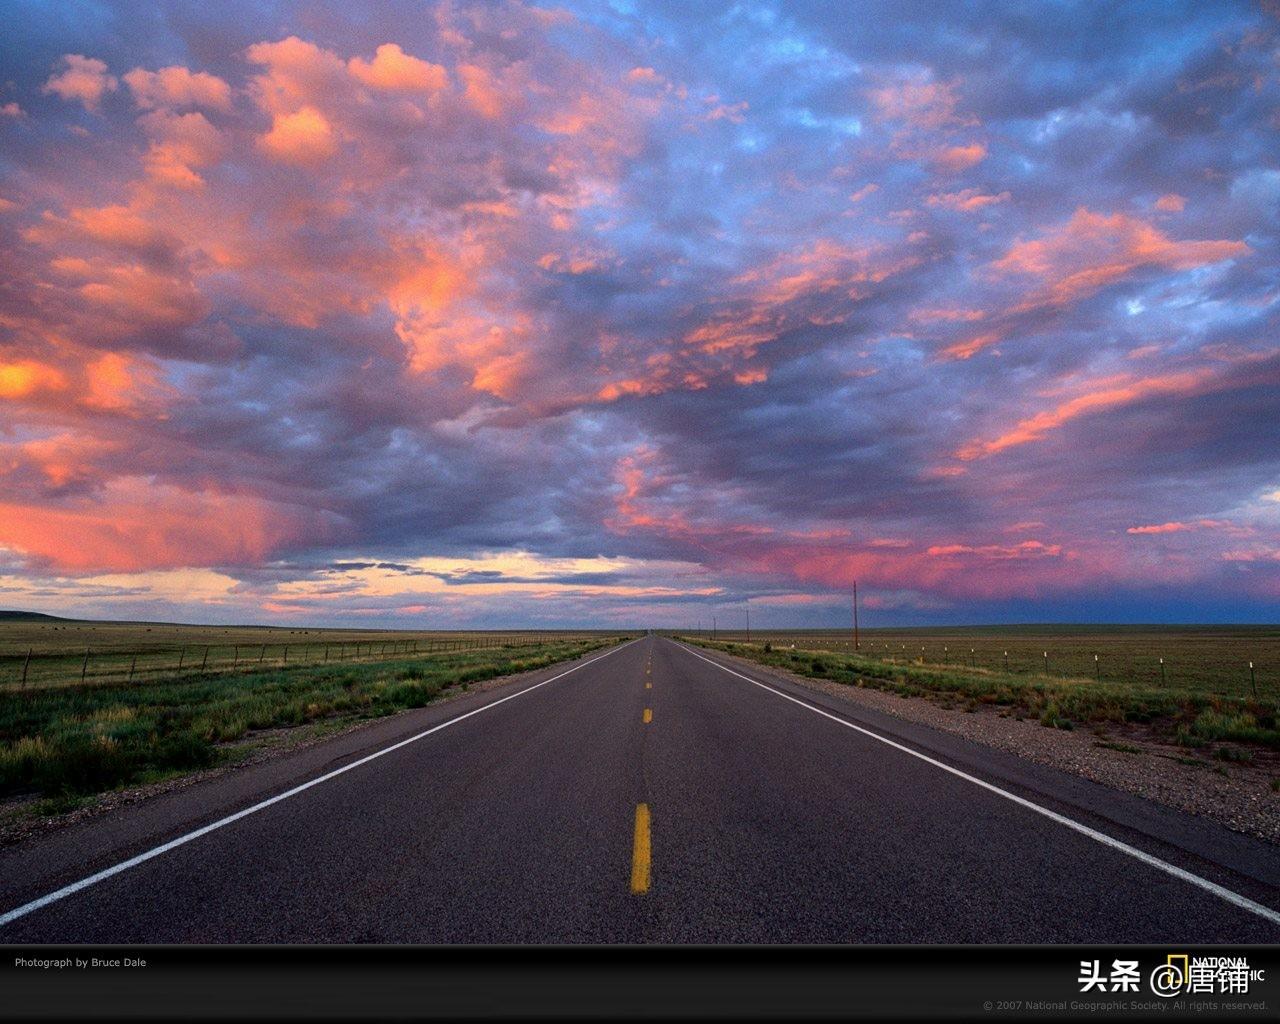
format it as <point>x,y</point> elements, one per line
<point>713,627</point>
<point>856,645</point>
<point>748,623</point>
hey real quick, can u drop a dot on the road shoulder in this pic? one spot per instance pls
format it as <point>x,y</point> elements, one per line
<point>1052,775</point>
<point>70,846</point>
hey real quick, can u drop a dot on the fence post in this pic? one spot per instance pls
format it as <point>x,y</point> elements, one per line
<point>182,656</point>
<point>235,661</point>
<point>1253,680</point>
<point>205,662</point>
<point>262,654</point>
<point>326,653</point>
<point>85,667</point>
<point>24,668</point>
<point>132,667</point>
<point>286,654</point>
<point>1162,671</point>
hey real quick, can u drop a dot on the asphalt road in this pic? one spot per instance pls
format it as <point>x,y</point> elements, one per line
<point>648,795</point>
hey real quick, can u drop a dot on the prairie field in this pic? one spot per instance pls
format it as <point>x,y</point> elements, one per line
<point>1187,714</point>
<point>53,652</point>
<point>1202,659</point>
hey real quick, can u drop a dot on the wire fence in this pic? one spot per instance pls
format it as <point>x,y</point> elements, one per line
<point>1228,669</point>
<point>40,669</point>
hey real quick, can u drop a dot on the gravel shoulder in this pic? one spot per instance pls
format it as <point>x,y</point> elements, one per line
<point>1237,795</point>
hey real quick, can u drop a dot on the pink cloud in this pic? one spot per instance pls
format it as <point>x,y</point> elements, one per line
<point>1118,392</point>
<point>133,524</point>
<point>957,158</point>
<point>181,144</point>
<point>1092,250</point>
<point>1171,203</point>
<point>919,101</point>
<point>83,79</point>
<point>483,91</point>
<point>966,200</point>
<point>178,87</point>
<point>645,76</point>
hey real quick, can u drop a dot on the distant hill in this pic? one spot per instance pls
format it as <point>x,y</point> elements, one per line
<point>19,616</point>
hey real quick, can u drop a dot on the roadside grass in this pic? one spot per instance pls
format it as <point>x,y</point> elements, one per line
<point>1231,660</point>
<point>1188,718</point>
<point>63,745</point>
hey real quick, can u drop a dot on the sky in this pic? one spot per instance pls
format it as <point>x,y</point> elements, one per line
<point>441,315</point>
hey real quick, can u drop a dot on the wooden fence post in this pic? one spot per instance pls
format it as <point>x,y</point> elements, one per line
<point>84,667</point>
<point>25,664</point>
<point>205,662</point>
<point>182,656</point>
<point>132,667</point>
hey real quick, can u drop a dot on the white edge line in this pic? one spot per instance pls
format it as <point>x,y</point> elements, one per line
<point>84,883</point>
<point>1170,869</point>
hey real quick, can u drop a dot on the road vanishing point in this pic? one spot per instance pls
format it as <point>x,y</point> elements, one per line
<point>652,793</point>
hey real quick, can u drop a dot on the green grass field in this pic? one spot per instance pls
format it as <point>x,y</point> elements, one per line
<point>1190,714</point>
<point>38,653</point>
<point>65,742</point>
<point>1200,659</point>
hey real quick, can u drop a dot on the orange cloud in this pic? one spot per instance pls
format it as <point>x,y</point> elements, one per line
<point>113,225</point>
<point>298,74</point>
<point>396,71</point>
<point>302,137</point>
<point>1171,203</point>
<point>178,87</point>
<point>116,382</point>
<point>26,377</point>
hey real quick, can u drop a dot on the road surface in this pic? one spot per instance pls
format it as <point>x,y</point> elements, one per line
<point>650,793</point>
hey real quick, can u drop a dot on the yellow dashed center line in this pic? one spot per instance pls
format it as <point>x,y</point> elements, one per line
<point>640,851</point>
<point>648,715</point>
<point>648,686</point>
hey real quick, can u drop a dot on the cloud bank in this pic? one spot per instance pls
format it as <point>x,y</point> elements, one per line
<point>500,313</point>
